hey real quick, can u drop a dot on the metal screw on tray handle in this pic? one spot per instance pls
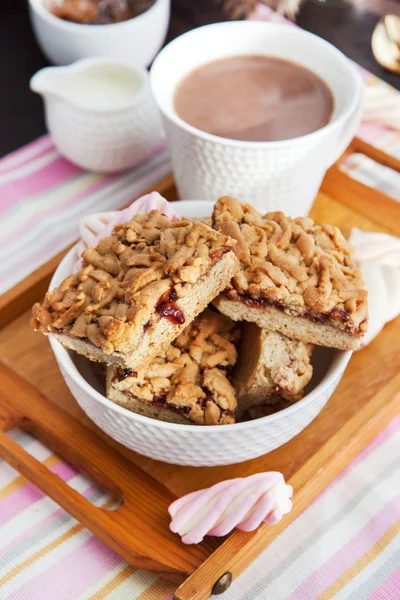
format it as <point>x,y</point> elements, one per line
<point>222,584</point>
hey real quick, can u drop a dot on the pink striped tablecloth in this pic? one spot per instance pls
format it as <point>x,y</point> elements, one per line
<point>345,545</point>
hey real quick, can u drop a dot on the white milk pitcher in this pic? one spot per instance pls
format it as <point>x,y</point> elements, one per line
<point>100,113</point>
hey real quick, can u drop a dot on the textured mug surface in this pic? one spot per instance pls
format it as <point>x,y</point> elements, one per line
<point>283,175</point>
<point>191,444</point>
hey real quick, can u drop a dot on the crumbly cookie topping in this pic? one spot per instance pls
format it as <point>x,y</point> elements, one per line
<point>304,268</point>
<point>291,370</point>
<point>130,279</point>
<point>192,375</point>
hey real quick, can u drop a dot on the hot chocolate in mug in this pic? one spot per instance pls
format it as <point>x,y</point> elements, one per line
<point>272,175</point>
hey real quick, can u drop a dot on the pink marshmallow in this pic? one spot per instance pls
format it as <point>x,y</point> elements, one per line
<point>243,503</point>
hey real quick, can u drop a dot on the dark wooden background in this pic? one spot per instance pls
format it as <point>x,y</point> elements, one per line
<point>347,26</point>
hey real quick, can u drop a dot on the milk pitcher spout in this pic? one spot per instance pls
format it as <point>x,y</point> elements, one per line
<point>48,81</point>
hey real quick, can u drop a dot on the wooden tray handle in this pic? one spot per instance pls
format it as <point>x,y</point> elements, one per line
<point>139,529</point>
<point>360,197</point>
<point>379,156</point>
<point>36,472</point>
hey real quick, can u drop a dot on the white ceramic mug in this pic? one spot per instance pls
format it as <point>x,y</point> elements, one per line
<point>283,175</point>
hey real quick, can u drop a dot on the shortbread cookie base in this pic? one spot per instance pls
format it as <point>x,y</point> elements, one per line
<point>160,413</point>
<point>299,328</point>
<point>270,367</point>
<point>158,336</point>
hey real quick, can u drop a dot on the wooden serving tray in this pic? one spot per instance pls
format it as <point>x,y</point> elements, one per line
<point>34,397</point>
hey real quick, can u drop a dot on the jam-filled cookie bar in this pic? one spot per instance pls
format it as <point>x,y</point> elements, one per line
<point>138,289</point>
<point>295,277</point>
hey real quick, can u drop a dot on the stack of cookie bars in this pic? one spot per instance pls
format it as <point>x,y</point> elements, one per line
<point>209,325</point>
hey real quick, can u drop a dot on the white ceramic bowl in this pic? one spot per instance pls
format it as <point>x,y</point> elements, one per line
<point>189,444</point>
<point>137,40</point>
<point>283,175</point>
